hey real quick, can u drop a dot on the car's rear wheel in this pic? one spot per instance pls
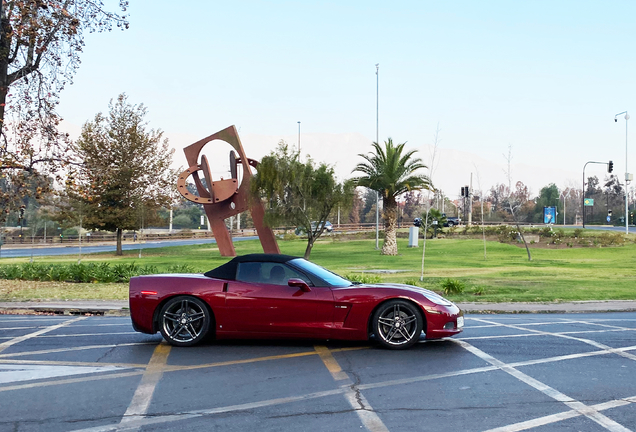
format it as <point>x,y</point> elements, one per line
<point>184,320</point>
<point>397,324</point>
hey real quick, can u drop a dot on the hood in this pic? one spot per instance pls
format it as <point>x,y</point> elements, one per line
<point>431,295</point>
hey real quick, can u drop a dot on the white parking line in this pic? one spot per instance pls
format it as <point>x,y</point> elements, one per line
<point>369,418</point>
<point>581,408</point>
<point>536,333</point>
<point>90,334</point>
<point>587,341</point>
<point>554,418</point>
<point>5,345</point>
<point>80,348</point>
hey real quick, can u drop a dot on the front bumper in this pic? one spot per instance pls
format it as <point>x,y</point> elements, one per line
<point>443,321</point>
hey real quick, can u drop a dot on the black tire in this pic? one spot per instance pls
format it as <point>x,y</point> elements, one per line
<point>451,224</point>
<point>184,321</point>
<point>397,324</point>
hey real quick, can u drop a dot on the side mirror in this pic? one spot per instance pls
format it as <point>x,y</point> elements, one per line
<point>299,283</point>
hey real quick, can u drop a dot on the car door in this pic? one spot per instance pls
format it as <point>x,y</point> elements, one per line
<point>260,302</point>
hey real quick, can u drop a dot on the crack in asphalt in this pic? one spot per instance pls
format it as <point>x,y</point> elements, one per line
<point>105,354</point>
<point>316,413</point>
<point>348,369</point>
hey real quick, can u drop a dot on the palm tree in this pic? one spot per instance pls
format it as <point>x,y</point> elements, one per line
<point>391,173</point>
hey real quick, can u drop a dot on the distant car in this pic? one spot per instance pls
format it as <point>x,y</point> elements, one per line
<point>328,228</point>
<point>280,296</point>
<point>452,221</point>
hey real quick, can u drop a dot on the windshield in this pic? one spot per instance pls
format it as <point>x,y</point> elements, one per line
<point>324,274</point>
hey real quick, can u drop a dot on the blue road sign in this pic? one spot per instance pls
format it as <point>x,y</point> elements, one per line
<point>549,215</point>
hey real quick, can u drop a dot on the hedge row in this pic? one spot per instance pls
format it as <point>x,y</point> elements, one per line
<point>91,272</point>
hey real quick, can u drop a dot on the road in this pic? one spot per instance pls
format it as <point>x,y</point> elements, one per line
<point>632,230</point>
<point>89,249</point>
<point>504,372</point>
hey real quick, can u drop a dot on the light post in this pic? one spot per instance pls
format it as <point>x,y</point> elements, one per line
<point>627,175</point>
<point>564,197</point>
<point>299,140</point>
<point>377,140</point>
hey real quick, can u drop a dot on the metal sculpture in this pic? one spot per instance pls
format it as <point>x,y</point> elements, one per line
<point>225,198</point>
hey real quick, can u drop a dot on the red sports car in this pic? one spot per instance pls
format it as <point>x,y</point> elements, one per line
<point>281,296</point>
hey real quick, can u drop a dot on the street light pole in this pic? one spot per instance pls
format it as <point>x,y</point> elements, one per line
<point>564,197</point>
<point>377,140</point>
<point>626,172</point>
<point>299,140</point>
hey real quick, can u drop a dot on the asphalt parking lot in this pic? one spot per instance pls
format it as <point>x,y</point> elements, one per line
<point>541,372</point>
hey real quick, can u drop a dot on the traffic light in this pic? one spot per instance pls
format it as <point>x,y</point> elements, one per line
<point>463,191</point>
<point>610,167</point>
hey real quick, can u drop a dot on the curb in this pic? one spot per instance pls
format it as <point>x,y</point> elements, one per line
<point>541,311</point>
<point>113,308</point>
<point>68,311</point>
<point>599,306</point>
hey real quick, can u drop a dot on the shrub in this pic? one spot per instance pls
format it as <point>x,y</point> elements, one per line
<point>546,232</point>
<point>452,286</point>
<point>480,290</point>
<point>364,278</point>
<point>610,239</point>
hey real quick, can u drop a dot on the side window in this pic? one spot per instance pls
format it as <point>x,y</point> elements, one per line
<point>279,274</point>
<point>249,272</point>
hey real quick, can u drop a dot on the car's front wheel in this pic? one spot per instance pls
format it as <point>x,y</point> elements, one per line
<point>397,324</point>
<point>184,320</point>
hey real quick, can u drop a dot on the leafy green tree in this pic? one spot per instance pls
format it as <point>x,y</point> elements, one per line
<point>548,197</point>
<point>299,194</point>
<point>391,171</point>
<point>40,46</point>
<point>125,176</point>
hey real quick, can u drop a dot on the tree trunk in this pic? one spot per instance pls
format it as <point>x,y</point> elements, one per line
<point>5,43</point>
<point>390,227</point>
<point>310,244</point>
<point>120,233</point>
<point>514,218</point>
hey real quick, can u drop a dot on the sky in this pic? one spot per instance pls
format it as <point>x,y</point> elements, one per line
<point>543,78</point>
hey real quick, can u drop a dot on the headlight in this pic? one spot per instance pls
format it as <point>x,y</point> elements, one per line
<point>438,300</point>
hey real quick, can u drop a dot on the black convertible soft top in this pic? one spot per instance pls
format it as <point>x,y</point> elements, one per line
<point>227,271</point>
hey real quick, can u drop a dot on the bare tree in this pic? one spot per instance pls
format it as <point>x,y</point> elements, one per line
<point>433,153</point>
<point>481,201</point>
<point>513,201</point>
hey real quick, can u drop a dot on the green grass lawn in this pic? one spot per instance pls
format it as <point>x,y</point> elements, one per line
<point>506,275</point>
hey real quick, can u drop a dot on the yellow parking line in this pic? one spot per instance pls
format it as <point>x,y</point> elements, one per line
<point>143,395</point>
<point>356,399</point>
<point>166,369</point>
<point>330,362</point>
<point>238,362</point>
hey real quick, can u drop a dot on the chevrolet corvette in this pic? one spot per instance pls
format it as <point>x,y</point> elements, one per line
<point>281,296</point>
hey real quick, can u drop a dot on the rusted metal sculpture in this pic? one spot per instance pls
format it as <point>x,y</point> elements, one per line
<point>225,198</point>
